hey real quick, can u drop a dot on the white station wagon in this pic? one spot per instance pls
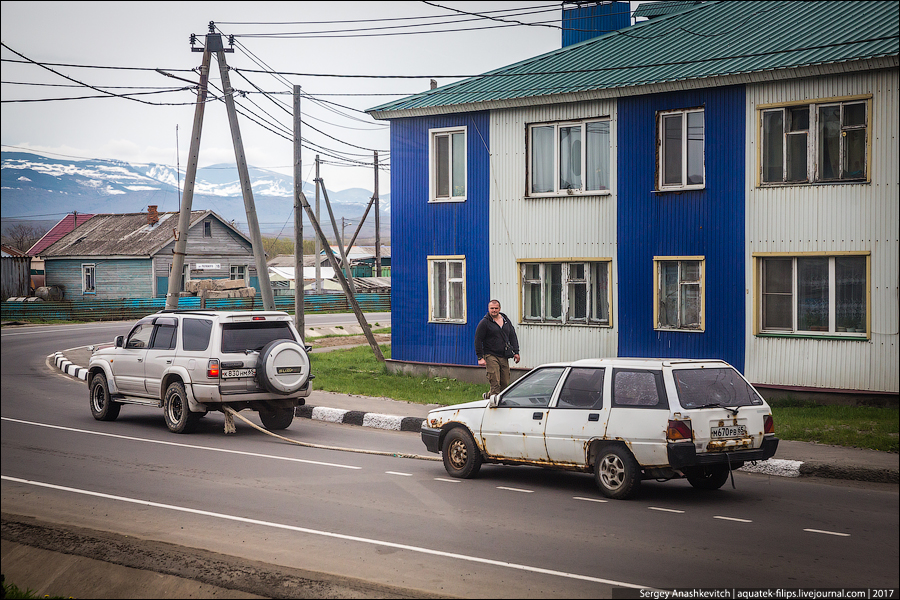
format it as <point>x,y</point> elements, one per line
<point>624,419</point>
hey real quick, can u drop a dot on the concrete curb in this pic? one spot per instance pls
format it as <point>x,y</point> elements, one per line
<point>356,417</point>
<point>64,365</point>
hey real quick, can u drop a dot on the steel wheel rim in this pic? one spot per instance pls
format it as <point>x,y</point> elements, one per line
<point>458,454</point>
<point>98,398</point>
<point>176,408</point>
<point>612,471</point>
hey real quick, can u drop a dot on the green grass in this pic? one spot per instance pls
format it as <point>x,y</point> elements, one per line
<point>355,371</point>
<point>10,590</point>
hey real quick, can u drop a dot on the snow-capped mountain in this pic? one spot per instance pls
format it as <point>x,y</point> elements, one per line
<point>35,186</point>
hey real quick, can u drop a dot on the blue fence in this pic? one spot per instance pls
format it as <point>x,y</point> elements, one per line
<point>135,308</point>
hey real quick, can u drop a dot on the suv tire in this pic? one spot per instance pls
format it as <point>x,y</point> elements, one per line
<point>276,419</point>
<point>282,354</point>
<point>617,473</point>
<point>102,406</point>
<point>711,477</point>
<point>462,458</point>
<point>179,418</point>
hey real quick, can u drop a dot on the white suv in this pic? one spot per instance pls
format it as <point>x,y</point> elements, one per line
<point>188,362</point>
<point>624,419</point>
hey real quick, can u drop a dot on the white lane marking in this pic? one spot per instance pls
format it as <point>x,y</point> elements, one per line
<point>500,487</point>
<point>733,519</point>
<point>590,499</point>
<point>671,510</point>
<point>178,445</point>
<point>398,473</point>
<point>330,534</point>
<point>827,532</point>
<point>447,480</point>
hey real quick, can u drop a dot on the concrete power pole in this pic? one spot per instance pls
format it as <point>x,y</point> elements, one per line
<point>299,315</point>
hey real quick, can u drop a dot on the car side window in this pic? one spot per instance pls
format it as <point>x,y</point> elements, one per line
<point>164,338</point>
<point>140,336</point>
<point>195,334</point>
<point>583,388</point>
<point>534,389</point>
<point>638,389</point>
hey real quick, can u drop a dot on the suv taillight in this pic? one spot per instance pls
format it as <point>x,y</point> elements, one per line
<point>679,430</point>
<point>212,369</point>
<point>768,424</point>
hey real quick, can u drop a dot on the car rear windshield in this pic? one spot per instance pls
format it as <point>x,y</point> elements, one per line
<point>239,337</point>
<point>702,388</point>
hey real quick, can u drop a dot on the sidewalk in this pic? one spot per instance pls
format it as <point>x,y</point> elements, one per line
<point>793,459</point>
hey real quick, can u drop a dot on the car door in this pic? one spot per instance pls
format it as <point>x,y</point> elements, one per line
<point>128,365</point>
<point>639,414</point>
<point>160,354</point>
<point>578,416</point>
<point>515,427</point>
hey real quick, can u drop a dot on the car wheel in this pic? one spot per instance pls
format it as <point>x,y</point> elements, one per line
<point>462,458</point>
<point>179,418</point>
<point>707,478</point>
<point>282,367</point>
<point>617,473</point>
<point>277,418</point>
<point>102,407</point>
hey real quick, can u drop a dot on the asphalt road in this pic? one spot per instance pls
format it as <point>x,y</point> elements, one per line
<point>362,524</point>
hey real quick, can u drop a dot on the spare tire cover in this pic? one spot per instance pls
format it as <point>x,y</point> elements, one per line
<point>283,367</point>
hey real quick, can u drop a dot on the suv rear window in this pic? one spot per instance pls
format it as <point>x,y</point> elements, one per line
<point>195,334</point>
<point>699,388</point>
<point>238,337</point>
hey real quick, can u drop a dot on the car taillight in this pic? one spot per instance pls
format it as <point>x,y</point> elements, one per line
<point>679,430</point>
<point>768,424</point>
<point>212,369</point>
<point>259,318</point>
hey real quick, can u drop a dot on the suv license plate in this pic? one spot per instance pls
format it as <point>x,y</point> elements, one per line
<point>236,373</point>
<point>729,432</point>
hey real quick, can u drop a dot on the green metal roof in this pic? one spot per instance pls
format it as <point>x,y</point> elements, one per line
<point>713,39</point>
<point>656,9</point>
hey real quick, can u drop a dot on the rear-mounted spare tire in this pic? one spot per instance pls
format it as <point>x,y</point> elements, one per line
<point>283,367</point>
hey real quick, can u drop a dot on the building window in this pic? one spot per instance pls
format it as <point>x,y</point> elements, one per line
<point>568,158</point>
<point>238,272</point>
<point>825,142</point>
<point>447,289</point>
<point>681,163</point>
<point>814,294</point>
<point>88,279</point>
<point>448,164</point>
<point>566,292</point>
<point>207,229</point>
<point>679,293</point>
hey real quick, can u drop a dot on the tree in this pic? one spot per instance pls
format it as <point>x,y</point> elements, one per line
<point>23,236</point>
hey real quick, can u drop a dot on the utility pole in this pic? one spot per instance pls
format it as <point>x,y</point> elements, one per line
<point>377,224</point>
<point>299,315</point>
<point>318,243</point>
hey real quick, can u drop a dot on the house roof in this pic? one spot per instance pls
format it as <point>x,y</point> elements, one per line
<point>655,9</point>
<point>10,251</point>
<point>65,225</point>
<point>713,43</point>
<point>128,234</point>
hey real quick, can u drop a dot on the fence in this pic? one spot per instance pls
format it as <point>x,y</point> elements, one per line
<point>134,308</point>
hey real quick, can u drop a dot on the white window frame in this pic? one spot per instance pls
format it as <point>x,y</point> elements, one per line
<point>683,283</point>
<point>234,270</point>
<point>557,190</point>
<point>662,150</point>
<point>813,145</point>
<point>863,329</point>
<point>439,306</point>
<point>535,278</point>
<point>433,136</point>
<point>88,278</point>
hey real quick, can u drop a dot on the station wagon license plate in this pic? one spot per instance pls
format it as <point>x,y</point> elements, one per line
<point>732,431</point>
<point>236,373</point>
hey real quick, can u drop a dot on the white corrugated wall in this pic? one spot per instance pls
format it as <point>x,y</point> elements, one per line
<point>542,229</point>
<point>830,218</point>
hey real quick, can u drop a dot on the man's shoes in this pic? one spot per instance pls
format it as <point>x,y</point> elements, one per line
<point>484,396</point>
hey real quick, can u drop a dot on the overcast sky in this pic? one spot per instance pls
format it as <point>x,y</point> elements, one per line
<point>156,35</point>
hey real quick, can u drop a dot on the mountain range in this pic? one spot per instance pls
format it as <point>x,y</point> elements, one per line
<point>39,191</point>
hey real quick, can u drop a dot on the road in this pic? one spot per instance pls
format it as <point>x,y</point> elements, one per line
<point>401,523</point>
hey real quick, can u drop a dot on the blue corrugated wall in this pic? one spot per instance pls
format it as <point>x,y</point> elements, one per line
<point>708,222</point>
<point>581,23</point>
<point>420,230</point>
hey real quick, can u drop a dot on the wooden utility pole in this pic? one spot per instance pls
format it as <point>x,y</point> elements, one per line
<point>299,293</point>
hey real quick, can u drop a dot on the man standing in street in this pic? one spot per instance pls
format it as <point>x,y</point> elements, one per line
<point>495,344</point>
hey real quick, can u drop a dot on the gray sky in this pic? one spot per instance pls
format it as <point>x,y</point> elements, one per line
<point>154,35</point>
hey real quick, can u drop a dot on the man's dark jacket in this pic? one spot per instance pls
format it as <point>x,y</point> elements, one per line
<point>490,340</point>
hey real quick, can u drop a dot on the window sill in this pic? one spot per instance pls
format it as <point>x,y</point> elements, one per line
<point>445,200</point>
<point>447,322</point>
<point>816,336</point>
<point>776,184</point>
<point>569,324</point>
<point>573,193</point>
<point>678,190</point>
<point>674,330</point>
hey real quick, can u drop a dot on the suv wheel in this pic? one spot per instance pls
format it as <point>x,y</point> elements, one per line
<point>707,478</point>
<point>462,458</point>
<point>617,473</point>
<point>179,418</point>
<point>282,367</point>
<point>102,407</point>
<point>276,418</point>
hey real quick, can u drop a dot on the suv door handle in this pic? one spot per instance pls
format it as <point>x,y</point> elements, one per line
<point>140,360</point>
<point>537,416</point>
<point>593,417</point>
